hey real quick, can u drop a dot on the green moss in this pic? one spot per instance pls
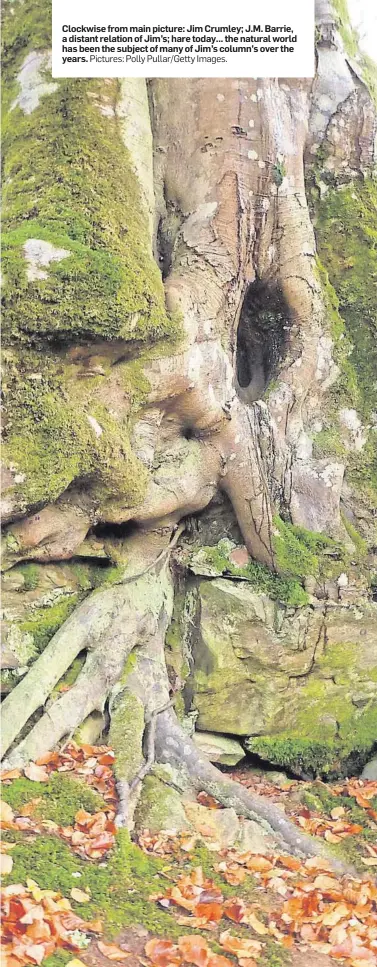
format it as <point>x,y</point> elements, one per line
<point>348,34</point>
<point>119,887</point>
<point>126,734</point>
<point>49,438</point>
<point>300,552</point>
<point>59,188</point>
<point>328,443</point>
<point>70,676</point>
<point>284,587</point>
<point>297,754</point>
<point>61,797</point>
<point>44,622</point>
<point>346,231</point>
<point>346,235</point>
<point>30,573</point>
<point>358,541</point>
<point>330,736</point>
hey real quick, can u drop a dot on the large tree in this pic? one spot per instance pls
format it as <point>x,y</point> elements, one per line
<point>171,336</point>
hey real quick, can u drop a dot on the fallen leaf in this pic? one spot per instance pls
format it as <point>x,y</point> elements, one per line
<point>162,952</point>
<point>79,895</point>
<point>259,864</point>
<point>194,950</point>
<point>6,864</point>
<point>256,924</point>
<point>36,773</point>
<point>111,951</point>
<point>6,812</point>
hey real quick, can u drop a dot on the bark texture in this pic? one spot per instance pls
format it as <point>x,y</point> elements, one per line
<point>174,350</point>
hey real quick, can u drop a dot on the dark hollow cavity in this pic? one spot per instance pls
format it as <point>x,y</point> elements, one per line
<point>262,338</point>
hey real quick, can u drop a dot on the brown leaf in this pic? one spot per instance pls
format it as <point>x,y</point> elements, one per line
<point>194,950</point>
<point>162,952</point>
<point>259,864</point>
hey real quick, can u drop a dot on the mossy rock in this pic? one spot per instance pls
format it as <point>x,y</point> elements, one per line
<point>160,807</point>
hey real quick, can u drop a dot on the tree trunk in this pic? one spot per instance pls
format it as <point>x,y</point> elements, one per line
<point>146,397</point>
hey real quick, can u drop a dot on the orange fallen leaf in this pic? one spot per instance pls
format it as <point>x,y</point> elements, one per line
<point>259,864</point>
<point>194,950</point>
<point>162,952</point>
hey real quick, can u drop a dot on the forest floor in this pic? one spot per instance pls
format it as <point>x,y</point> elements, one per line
<point>77,891</point>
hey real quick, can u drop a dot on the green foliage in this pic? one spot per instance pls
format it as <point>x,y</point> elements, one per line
<point>61,797</point>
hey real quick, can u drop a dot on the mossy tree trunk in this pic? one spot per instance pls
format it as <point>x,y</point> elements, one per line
<point>135,395</point>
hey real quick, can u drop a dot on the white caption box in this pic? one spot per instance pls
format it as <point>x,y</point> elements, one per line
<point>243,39</point>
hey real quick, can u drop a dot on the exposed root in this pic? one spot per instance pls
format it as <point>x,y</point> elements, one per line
<point>175,747</point>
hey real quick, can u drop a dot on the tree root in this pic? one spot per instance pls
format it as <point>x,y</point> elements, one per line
<point>176,748</point>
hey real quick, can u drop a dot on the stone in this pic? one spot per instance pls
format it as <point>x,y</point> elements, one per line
<point>39,254</point>
<point>261,669</point>
<point>91,729</point>
<point>246,654</point>
<point>315,497</point>
<point>218,827</point>
<point>370,770</point>
<point>252,838</point>
<point>160,807</point>
<point>219,748</point>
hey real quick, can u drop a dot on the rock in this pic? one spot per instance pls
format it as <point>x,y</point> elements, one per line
<point>219,827</point>
<point>315,499</point>
<point>252,838</point>
<point>305,680</point>
<point>246,654</point>
<point>222,829</point>
<point>160,807</point>
<point>91,729</point>
<point>370,770</point>
<point>219,748</point>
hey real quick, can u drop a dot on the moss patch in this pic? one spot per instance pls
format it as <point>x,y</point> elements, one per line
<point>300,552</point>
<point>120,887</point>
<point>284,588</point>
<point>308,750</point>
<point>44,622</point>
<point>61,797</point>
<point>61,189</point>
<point>346,235</point>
